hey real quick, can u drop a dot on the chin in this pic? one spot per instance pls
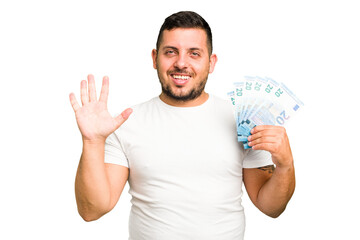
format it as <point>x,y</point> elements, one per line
<point>182,95</point>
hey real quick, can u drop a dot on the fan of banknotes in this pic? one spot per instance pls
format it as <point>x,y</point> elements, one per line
<point>261,101</point>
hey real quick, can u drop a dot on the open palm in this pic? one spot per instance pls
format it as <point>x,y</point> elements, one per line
<point>93,118</point>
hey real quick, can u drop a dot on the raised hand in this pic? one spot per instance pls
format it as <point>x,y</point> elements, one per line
<point>274,140</point>
<point>93,119</point>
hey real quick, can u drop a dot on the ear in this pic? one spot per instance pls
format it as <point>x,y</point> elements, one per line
<point>154,55</point>
<point>213,60</point>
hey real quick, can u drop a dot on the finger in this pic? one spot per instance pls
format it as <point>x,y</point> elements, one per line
<point>104,90</point>
<point>264,127</point>
<point>84,92</point>
<point>92,88</point>
<point>123,117</point>
<point>75,105</point>
<point>267,139</point>
<point>264,146</point>
<point>263,133</point>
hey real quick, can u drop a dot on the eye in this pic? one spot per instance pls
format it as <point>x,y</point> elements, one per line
<point>195,54</point>
<point>170,52</point>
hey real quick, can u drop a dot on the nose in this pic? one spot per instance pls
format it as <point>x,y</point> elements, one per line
<point>181,61</point>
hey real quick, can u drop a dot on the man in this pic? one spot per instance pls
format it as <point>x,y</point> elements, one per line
<point>179,151</point>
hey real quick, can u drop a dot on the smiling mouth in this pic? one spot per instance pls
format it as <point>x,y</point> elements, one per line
<point>180,79</point>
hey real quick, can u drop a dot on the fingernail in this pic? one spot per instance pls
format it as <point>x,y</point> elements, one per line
<point>125,114</point>
<point>249,138</point>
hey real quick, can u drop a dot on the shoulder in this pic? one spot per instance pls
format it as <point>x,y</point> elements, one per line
<point>141,115</point>
<point>145,108</point>
<point>222,107</point>
<point>145,105</point>
<point>221,103</point>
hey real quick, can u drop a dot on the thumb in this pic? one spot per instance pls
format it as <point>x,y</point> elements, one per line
<point>123,117</point>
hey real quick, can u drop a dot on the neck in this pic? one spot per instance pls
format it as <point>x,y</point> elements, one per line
<point>189,103</point>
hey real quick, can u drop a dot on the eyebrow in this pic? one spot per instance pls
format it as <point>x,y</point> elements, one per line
<point>175,48</point>
<point>169,47</point>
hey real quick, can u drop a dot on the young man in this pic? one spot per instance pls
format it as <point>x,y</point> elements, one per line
<point>179,151</point>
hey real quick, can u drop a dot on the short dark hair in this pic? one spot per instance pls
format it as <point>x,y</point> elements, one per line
<point>186,19</point>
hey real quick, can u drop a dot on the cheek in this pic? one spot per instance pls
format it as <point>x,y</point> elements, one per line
<point>163,66</point>
<point>202,68</point>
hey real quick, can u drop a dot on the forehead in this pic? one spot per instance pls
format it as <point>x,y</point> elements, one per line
<point>184,38</point>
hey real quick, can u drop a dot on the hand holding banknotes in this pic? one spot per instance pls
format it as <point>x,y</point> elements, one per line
<point>262,101</point>
<point>93,119</point>
<point>262,107</point>
<point>274,140</point>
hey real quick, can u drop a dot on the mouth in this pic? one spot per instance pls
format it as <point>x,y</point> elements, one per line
<point>180,79</point>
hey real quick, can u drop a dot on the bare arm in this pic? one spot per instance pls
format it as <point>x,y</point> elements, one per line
<point>269,188</point>
<point>98,186</point>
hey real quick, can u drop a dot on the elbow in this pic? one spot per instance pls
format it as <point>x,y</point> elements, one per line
<point>89,214</point>
<point>89,217</point>
<point>274,213</point>
<point>90,211</point>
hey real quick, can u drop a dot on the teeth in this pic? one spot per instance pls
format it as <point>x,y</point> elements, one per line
<point>181,77</point>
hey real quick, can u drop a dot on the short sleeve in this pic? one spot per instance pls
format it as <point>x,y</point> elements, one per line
<point>256,158</point>
<point>114,152</point>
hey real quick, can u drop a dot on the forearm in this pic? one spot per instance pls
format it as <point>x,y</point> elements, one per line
<point>277,191</point>
<point>92,188</point>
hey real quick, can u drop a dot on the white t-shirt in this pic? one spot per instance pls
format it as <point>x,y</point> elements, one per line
<point>185,170</point>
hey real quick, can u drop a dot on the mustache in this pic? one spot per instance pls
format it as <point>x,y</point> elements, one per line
<point>181,71</point>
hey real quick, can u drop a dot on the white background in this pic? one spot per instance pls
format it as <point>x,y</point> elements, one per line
<point>48,47</point>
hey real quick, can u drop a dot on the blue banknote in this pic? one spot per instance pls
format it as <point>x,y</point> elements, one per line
<point>261,101</point>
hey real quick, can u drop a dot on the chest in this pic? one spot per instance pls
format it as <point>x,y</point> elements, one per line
<point>184,147</point>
